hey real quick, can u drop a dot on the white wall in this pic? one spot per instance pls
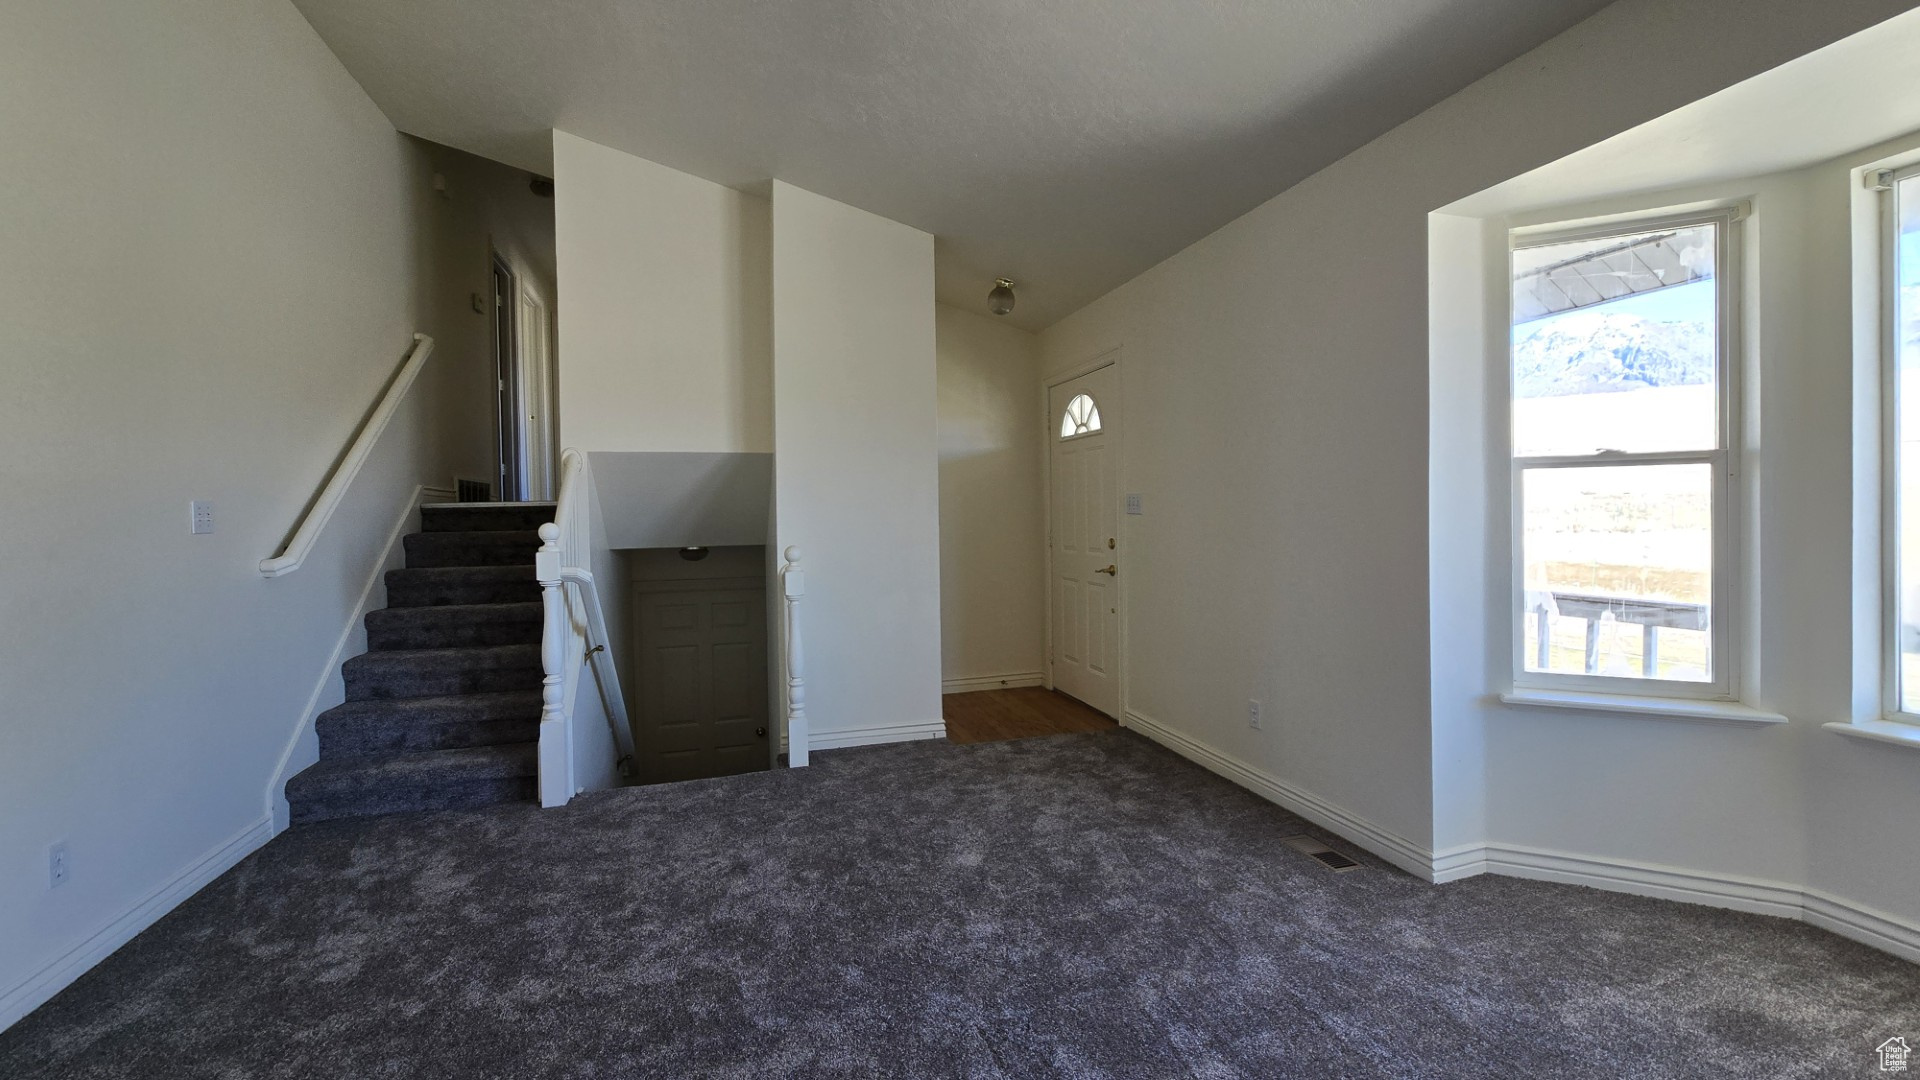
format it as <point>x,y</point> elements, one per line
<point>1466,312</point>
<point>992,587</point>
<point>683,500</point>
<point>214,263</point>
<point>517,223</point>
<point>664,335</point>
<point>856,473</point>
<point>1276,396</point>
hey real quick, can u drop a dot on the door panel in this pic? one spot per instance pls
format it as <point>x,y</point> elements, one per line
<point>1071,641</point>
<point>701,698</point>
<point>1084,540</point>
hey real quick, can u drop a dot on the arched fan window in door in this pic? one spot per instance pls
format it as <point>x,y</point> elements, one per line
<point>1082,417</point>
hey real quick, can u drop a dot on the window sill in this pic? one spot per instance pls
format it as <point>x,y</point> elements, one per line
<point>1653,708</point>
<point>1881,731</point>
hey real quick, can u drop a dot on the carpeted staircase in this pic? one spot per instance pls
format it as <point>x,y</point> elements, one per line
<point>443,710</point>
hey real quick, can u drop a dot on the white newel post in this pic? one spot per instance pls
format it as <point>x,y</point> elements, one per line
<point>555,755</point>
<point>795,585</point>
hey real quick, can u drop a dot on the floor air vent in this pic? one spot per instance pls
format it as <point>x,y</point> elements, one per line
<point>1327,857</point>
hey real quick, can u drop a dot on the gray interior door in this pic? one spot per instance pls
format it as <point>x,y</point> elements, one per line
<point>702,684</point>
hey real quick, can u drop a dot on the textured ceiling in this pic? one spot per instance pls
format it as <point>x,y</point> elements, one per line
<point>1068,144</point>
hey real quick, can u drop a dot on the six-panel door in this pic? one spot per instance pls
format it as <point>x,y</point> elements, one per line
<point>701,684</point>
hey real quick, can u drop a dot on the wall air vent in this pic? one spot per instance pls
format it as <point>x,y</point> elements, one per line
<point>1333,860</point>
<point>467,491</point>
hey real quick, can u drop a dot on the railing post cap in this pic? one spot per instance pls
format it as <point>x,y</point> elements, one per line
<point>549,532</point>
<point>793,554</point>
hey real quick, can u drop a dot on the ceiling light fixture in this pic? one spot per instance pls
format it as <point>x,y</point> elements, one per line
<point>1000,300</point>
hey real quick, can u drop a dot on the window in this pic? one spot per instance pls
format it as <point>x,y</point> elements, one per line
<point>1903,356</point>
<point>1620,445</point>
<point>1082,417</point>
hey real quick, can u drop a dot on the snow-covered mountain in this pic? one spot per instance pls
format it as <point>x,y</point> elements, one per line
<point>1596,352</point>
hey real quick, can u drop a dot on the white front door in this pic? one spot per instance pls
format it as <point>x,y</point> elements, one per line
<point>1084,540</point>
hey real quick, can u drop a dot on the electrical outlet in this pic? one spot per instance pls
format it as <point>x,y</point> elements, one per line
<point>57,865</point>
<point>1253,715</point>
<point>202,516</point>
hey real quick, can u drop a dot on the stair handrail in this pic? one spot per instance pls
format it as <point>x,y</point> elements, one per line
<point>566,582</point>
<point>314,521</point>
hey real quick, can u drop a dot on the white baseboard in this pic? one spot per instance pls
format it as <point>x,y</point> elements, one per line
<point>37,988</point>
<point>1414,858</point>
<point>993,682</point>
<point>303,749</point>
<point>873,736</point>
<point>1644,879</point>
<point>1861,923</point>
<point>1452,864</point>
<point>1878,929</point>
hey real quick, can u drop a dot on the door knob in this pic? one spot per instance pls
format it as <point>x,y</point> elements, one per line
<point>1109,569</point>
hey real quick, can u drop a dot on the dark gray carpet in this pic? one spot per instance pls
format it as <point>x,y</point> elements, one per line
<point>1080,906</point>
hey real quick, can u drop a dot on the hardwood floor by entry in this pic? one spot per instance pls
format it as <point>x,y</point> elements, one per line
<point>996,715</point>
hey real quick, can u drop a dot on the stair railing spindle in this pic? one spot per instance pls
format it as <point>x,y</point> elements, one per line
<point>794,586</point>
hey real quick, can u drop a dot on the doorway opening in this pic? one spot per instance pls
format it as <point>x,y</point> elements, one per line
<point>524,380</point>
<point>492,268</point>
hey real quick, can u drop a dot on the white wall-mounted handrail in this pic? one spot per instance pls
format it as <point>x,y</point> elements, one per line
<point>315,519</point>
<point>566,584</point>
<point>793,585</point>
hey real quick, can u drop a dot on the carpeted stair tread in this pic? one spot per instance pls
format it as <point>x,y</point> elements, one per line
<point>433,586</point>
<point>473,517</point>
<point>454,625</point>
<point>473,763</point>
<point>413,725</point>
<point>501,548</point>
<point>443,710</point>
<point>397,783</point>
<point>405,673</point>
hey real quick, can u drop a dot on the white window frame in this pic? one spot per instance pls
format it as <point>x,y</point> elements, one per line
<point>1891,588</point>
<point>1724,603</point>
